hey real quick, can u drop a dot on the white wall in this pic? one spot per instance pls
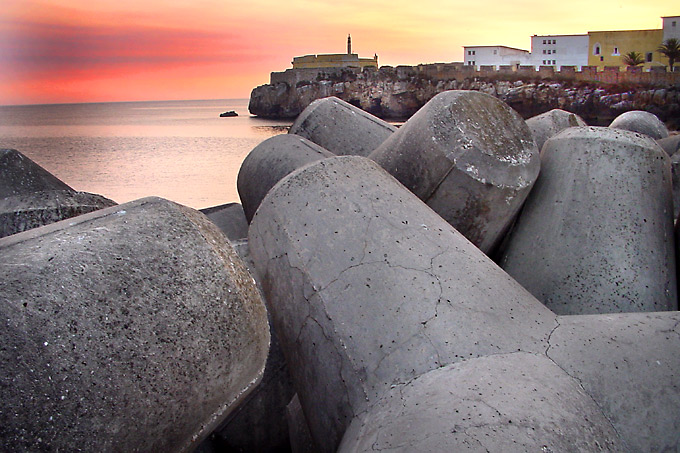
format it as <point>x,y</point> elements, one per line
<point>559,50</point>
<point>671,27</point>
<point>494,56</point>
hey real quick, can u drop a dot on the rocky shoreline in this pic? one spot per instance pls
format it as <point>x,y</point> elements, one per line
<point>391,94</point>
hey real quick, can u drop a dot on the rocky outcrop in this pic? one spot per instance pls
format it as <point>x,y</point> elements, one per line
<point>390,93</point>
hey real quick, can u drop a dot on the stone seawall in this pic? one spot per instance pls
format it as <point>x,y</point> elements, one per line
<point>399,92</point>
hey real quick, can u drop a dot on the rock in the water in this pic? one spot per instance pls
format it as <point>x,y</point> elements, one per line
<point>30,196</point>
<point>502,403</point>
<point>341,128</point>
<point>133,328</point>
<point>230,219</point>
<point>596,233</point>
<point>470,157</point>
<point>547,124</point>
<point>271,161</point>
<point>642,122</point>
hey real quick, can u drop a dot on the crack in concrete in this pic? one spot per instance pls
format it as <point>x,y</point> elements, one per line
<point>582,387</point>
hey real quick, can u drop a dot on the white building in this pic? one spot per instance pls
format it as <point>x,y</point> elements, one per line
<point>559,50</point>
<point>495,56</point>
<point>671,27</point>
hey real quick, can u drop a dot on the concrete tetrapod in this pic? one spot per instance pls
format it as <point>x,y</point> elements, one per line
<point>30,196</point>
<point>501,403</point>
<point>547,124</point>
<point>470,157</point>
<point>369,289</point>
<point>230,219</point>
<point>645,123</point>
<point>341,128</point>
<point>269,162</point>
<point>629,364</point>
<point>19,175</point>
<point>132,328</point>
<point>596,233</point>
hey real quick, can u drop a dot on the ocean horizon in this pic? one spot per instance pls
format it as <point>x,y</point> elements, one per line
<point>181,150</point>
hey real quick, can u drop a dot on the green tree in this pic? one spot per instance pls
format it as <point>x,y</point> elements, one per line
<point>633,59</point>
<point>671,49</point>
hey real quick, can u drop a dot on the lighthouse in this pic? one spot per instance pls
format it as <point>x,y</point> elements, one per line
<point>349,44</point>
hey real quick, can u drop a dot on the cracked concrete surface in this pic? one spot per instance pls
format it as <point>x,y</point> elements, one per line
<point>470,157</point>
<point>372,290</point>
<point>498,403</point>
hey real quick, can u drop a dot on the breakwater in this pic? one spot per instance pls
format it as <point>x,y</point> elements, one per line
<point>397,93</point>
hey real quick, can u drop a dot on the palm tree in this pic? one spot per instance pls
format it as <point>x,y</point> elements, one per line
<point>671,49</point>
<point>633,59</point>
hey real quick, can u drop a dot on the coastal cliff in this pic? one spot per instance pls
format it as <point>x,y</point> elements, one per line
<point>397,93</point>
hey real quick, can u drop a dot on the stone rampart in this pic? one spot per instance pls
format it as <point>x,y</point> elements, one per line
<point>457,71</point>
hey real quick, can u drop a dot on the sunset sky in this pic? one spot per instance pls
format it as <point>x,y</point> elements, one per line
<point>106,50</point>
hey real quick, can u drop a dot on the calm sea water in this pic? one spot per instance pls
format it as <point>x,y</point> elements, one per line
<point>179,150</point>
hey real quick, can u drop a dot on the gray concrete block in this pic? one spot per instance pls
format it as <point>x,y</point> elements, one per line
<point>300,438</point>
<point>642,122</point>
<point>368,287</point>
<point>675,179</point>
<point>470,157</point>
<point>269,162</point>
<point>502,403</point>
<point>30,196</point>
<point>19,175</point>
<point>670,144</point>
<point>547,124</point>
<point>132,328</point>
<point>230,219</point>
<point>596,233</point>
<point>629,364</point>
<point>260,422</point>
<point>341,128</point>
<point>31,210</point>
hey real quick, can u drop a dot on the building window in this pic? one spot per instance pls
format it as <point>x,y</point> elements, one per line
<point>601,58</point>
<point>673,24</point>
<point>474,52</point>
<point>616,51</point>
<point>596,49</point>
<point>554,62</point>
<point>544,41</point>
<point>544,51</point>
<point>649,57</point>
<point>554,50</point>
<point>549,51</point>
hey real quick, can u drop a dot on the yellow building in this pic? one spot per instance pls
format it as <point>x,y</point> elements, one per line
<point>607,48</point>
<point>337,60</point>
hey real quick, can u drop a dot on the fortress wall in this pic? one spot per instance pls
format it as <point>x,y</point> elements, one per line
<point>457,71</point>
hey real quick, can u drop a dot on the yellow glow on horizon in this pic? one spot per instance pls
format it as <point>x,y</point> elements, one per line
<point>211,47</point>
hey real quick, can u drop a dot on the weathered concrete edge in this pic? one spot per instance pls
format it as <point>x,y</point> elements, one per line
<point>222,412</point>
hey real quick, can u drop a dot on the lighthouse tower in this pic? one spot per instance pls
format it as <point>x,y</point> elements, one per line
<point>349,44</point>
